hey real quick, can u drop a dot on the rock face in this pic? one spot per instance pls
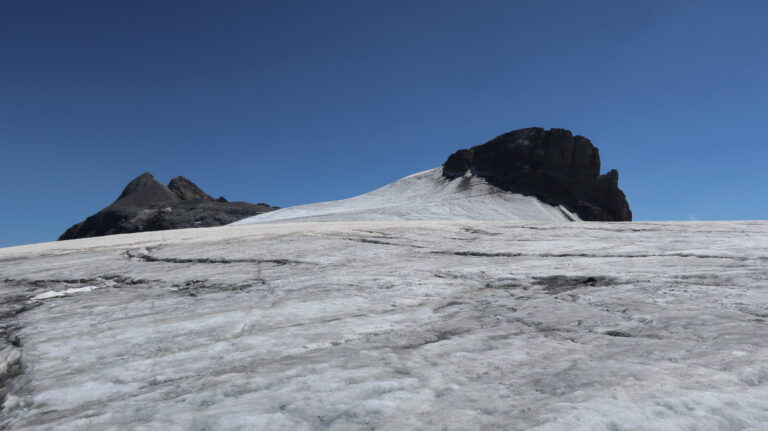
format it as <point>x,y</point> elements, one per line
<point>147,205</point>
<point>553,165</point>
<point>187,190</point>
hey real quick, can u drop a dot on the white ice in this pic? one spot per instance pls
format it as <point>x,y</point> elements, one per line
<point>391,325</point>
<point>58,293</point>
<point>425,195</point>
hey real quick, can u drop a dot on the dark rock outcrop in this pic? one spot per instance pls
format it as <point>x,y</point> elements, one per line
<point>553,165</point>
<point>147,205</point>
<point>187,190</point>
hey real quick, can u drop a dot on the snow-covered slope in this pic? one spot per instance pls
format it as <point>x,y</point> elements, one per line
<point>425,195</point>
<point>396,325</point>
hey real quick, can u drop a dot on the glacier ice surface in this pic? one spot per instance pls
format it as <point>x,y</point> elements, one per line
<point>390,325</point>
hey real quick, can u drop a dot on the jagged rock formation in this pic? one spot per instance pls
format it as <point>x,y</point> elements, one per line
<point>148,205</point>
<point>553,165</point>
<point>187,190</point>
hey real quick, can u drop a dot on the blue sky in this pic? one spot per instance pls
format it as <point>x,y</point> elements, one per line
<point>290,102</point>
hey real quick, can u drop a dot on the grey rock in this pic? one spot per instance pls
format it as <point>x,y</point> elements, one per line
<point>142,191</point>
<point>148,205</point>
<point>187,190</point>
<point>553,165</point>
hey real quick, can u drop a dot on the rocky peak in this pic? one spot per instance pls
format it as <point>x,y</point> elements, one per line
<point>186,190</point>
<point>147,204</point>
<point>553,165</point>
<point>144,190</point>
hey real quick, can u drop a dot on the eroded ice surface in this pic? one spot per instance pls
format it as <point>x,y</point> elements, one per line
<point>391,326</point>
<point>425,195</point>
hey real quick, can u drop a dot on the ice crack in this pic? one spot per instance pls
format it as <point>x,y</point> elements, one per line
<point>146,257</point>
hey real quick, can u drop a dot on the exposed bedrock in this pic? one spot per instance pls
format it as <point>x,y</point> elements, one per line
<point>553,165</point>
<point>148,205</point>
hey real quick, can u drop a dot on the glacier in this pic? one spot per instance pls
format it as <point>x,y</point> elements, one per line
<point>425,195</point>
<point>396,324</point>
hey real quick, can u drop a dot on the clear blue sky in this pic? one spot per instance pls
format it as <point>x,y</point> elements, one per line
<point>290,102</point>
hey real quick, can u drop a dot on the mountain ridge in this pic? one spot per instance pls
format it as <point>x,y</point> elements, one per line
<point>529,174</point>
<point>146,204</point>
<point>523,175</point>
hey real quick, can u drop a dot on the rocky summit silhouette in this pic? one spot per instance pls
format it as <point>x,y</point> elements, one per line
<point>148,205</point>
<point>553,165</point>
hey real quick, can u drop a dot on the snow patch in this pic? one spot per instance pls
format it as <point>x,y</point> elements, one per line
<point>425,195</point>
<point>72,290</point>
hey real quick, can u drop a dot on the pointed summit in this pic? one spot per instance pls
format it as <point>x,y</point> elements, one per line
<point>186,190</point>
<point>142,191</point>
